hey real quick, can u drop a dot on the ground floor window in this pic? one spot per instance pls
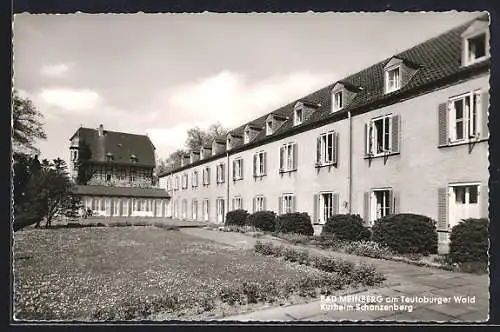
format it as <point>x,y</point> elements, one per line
<point>176,209</point>
<point>237,203</point>
<point>259,204</point>
<point>327,206</point>
<point>184,208</point>
<point>194,209</point>
<point>381,201</point>
<point>220,210</point>
<point>463,202</point>
<point>205,209</point>
<point>116,207</point>
<point>287,204</point>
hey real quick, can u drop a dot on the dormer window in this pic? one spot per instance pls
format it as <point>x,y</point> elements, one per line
<point>337,101</point>
<point>269,127</point>
<point>246,136</point>
<point>133,158</point>
<point>109,156</point>
<point>392,80</point>
<point>228,143</point>
<point>476,48</point>
<point>298,116</point>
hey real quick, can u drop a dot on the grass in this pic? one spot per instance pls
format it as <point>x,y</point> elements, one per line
<point>138,273</point>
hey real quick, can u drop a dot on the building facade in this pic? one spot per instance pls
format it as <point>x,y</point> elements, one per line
<point>406,135</point>
<point>114,174</point>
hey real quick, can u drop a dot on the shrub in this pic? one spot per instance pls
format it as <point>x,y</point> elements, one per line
<point>469,241</point>
<point>368,249</point>
<point>299,223</point>
<point>295,238</point>
<point>264,248</point>
<point>367,276</point>
<point>327,241</point>
<point>295,255</point>
<point>346,227</point>
<point>236,217</point>
<point>406,233</point>
<point>263,220</point>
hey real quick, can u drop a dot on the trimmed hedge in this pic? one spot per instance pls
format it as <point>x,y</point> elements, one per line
<point>236,217</point>
<point>469,241</point>
<point>263,220</point>
<point>406,233</point>
<point>299,223</point>
<point>346,227</point>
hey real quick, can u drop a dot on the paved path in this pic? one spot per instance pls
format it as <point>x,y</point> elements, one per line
<point>404,281</point>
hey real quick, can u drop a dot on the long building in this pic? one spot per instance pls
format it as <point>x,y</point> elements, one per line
<point>113,174</point>
<point>406,135</point>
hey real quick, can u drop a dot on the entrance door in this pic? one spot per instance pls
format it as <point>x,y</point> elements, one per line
<point>464,203</point>
<point>220,210</point>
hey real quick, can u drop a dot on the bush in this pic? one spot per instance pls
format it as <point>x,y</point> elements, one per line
<point>263,220</point>
<point>295,238</point>
<point>299,223</point>
<point>407,233</point>
<point>236,217</point>
<point>469,241</point>
<point>368,249</point>
<point>346,227</point>
<point>327,241</point>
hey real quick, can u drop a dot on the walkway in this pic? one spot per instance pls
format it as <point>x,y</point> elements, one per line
<point>405,282</point>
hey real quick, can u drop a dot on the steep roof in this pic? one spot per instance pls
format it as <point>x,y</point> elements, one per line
<point>121,146</point>
<point>120,191</point>
<point>436,59</point>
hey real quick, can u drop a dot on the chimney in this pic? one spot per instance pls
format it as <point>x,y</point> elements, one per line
<point>101,130</point>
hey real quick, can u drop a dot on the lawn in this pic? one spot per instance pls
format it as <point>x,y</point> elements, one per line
<point>141,273</point>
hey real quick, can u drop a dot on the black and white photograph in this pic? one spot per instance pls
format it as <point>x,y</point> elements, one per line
<point>251,167</point>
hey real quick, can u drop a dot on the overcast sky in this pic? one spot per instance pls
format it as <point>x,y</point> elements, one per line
<point>164,73</point>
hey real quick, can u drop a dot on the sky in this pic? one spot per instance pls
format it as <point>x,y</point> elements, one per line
<point>161,74</point>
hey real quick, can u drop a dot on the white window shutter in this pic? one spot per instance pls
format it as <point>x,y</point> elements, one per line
<point>391,201</point>
<point>443,124</point>
<point>295,155</point>
<point>264,161</point>
<point>335,198</point>
<point>242,168</point>
<point>255,165</point>
<point>223,172</point>
<point>254,203</point>
<point>485,103</point>
<point>366,207</point>
<point>367,139</point>
<point>395,135</point>
<point>234,169</point>
<point>442,222</point>
<point>263,203</point>
<point>315,208</point>
<point>294,204</point>
<point>208,176</point>
<point>282,158</point>
<point>318,150</point>
<point>280,205</point>
<point>335,147</point>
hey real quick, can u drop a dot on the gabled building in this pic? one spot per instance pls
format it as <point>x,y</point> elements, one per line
<point>408,134</point>
<point>114,173</point>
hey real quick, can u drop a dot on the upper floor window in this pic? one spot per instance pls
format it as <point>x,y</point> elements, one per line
<point>194,180</point>
<point>184,181</point>
<point>259,163</point>
<point>133,158</point>
<point>392,80</point>
<point>382,135</point>
<point>109,156</point>
<point>326,149</point>
<point>464,117</point>
<point>288,157</point>
<point>206,176</point>
<point>176,183</point>
<point>74,155</point>
<point>238,169</point>
<point>298,116</point>
<point>337,101</point>
<point>220,173</point>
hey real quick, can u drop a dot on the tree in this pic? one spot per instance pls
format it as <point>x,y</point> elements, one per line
<point>85,170</point>
<point>198,137</point>
<point>26,125</point>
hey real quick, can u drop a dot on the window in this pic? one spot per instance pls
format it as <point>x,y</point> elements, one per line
<point>246,136</point>
<point>237,203</point>
<point>326,149</point>
<point>184,209</point>
<point>259,164</point>
<point>464,117</point>
<point>288,157</point>
<point>381,203</point>
<point>109,157</point>
<point>74,155</point>
<point>108,177</point>
<point>463,202</point>
<point>184,181</point>
<point>176,209</point>
<point>220,173</point>
<point>133,158</point>
<point>206,176</point>
<point>383,135</point>
<point>476,48</point>
<point>220,210</point>
<point>194,209</point>
<point>194,180</point>
<point>228,143</point>
<point>327,207</point>
<point>133,175</point>
<point>337,101</point>
<point>238,169</point>
<point>259,204</point>
<point>392,80</point>
<point>287,204</point>
<point>176,183</point>
<point>269,127</point>
<point>205,209</point>
<point>298,116</point>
